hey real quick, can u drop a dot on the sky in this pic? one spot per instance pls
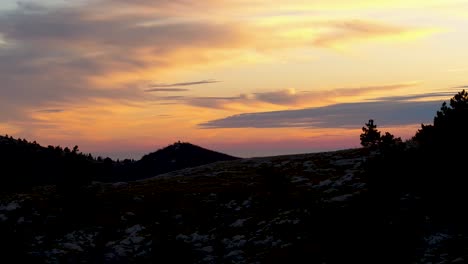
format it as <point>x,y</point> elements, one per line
<point>248,78</point>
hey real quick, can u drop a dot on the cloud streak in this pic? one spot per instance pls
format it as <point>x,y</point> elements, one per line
<point>341,32</point>
<point>291,97</point>
<point>389,112</point>
<point>51,111</point>
<point>167,90</point>
<point>62,56</point>
<point>442,95</point>
<point>164,85</point>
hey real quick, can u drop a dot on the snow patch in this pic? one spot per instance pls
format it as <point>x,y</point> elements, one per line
<point>345,162</point>
<point>234,253</point>
<point>298,179</point>
<point>323,183</point>
<point>344,179</point>
<point>120,184</point>
<point>132,244</point>
<point>3,218</point>
<point>10,207</point>
<point>247,203</point>
<point>72,246</point>
<point>134,229</point>
<point>288,221</point>
<point>207,249</point>
<point>436,238</point>
<point>193,238</point>
<point>459,260</point>
<point>341,198</point>
<point>239,222</point>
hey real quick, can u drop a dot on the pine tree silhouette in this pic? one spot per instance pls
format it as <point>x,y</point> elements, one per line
<point>370,136</point>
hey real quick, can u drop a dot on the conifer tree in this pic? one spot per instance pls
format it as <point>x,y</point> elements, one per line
<point>370,136</point>
<point>450,125</point>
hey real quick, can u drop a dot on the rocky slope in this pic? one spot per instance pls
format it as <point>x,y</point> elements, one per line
<point>300,208</point>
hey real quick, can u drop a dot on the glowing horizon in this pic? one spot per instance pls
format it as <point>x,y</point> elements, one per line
<point>124,78</point>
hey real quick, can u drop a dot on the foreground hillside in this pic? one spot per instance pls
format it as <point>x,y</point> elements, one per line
<point>244,211</point>
<point>308,208</point>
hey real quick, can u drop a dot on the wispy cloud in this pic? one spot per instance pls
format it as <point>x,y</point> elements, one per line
<point>440,95</point>
<point>167,90</point>
<point>164,85</point>
<point>337,34</point>
<point>51,111</point>
<point>212,102</point>
<point>350,115</point>
<point>293,98</point>
<point>172,98</point>
<point>64,55</point>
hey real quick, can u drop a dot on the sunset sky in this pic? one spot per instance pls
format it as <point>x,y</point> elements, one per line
<point>249,78</point>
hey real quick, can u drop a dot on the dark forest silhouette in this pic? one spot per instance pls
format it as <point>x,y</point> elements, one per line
<point>27,164</point>
<point>420,184</point>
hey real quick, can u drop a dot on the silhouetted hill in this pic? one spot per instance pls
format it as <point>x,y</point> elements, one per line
<point>177,156</point>
<point>30,164</point>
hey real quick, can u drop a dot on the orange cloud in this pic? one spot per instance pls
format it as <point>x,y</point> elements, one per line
<point>291,98</point>
<point>341,33</point>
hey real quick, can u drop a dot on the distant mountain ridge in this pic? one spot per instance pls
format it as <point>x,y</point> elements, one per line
<point>33,164</point>
<point>180,155</point>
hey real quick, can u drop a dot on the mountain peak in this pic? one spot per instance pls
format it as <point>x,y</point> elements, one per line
<point>187,150</point>
<point>179,155</point>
